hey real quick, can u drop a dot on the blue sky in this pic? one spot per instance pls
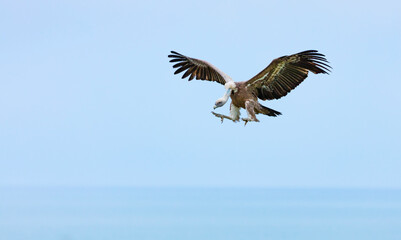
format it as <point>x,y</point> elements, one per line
<point>88,97</point>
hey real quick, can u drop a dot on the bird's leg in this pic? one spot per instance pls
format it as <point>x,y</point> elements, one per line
<point>246,120</point>
<point>249,105</point>
<point>234,114</point>
<point>222,117</point>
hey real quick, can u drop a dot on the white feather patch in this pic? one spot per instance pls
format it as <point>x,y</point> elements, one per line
<point>230,85</point>
<point>234,111</point>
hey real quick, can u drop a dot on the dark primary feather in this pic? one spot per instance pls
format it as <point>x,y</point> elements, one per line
<point>195,68</point>
<point>286,73</point>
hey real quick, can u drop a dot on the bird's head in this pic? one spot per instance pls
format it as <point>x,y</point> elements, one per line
<point>231,87</point>
<point>219,102</point>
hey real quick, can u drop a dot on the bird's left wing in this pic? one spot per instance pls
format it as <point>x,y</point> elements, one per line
<point>200,69</point>
<point>286,73</point>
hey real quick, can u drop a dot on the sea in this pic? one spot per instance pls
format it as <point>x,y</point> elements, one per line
<point>118,213</point>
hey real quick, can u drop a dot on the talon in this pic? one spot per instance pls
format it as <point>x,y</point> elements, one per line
<point>222,116</point>
<point>246,120</point>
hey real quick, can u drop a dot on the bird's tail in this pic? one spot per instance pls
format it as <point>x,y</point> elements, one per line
<point>267,111</point>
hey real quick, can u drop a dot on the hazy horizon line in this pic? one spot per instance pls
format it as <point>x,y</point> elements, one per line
<point>183,187</point>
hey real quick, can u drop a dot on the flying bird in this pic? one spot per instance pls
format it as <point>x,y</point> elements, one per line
<point>281,76</point>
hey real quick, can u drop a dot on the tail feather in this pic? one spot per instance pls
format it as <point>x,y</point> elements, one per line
<point>268,111</point>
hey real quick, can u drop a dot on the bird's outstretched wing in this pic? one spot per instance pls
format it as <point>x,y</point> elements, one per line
<point>285,73</point>
<point>200,69</point>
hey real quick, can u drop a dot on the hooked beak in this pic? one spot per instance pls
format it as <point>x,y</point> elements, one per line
<point>214,107</point>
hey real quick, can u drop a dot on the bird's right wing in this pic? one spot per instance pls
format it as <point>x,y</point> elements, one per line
<point>286,73</point>
<point>200,69</point>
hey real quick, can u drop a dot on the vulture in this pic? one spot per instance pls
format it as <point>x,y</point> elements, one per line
<point>281,76</point>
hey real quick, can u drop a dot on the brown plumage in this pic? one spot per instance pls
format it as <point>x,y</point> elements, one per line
<point>275,81</point>
<point>196,68</point>
<point>243,94</point>
<point>286,73</point>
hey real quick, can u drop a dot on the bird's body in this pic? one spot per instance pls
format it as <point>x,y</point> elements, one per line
<point>275,81</point>
<point>244,98</point>
<point>241,95</point>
